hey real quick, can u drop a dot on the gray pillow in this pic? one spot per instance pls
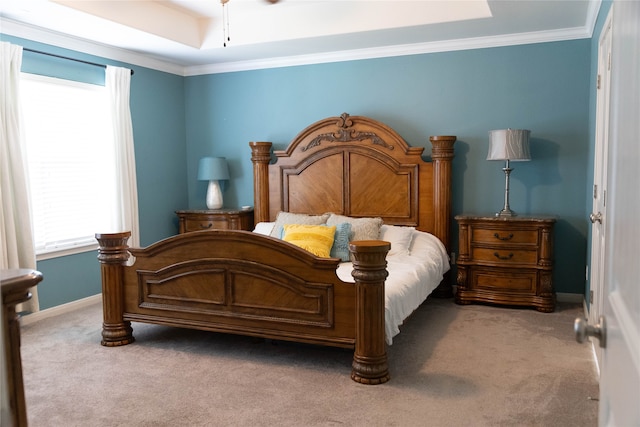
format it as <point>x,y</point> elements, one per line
<point>361,228</point>
<point>296,218</point>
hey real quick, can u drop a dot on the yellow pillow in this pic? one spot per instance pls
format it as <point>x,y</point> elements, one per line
<point>316,239</point>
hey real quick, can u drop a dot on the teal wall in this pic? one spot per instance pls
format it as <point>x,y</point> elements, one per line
<point>157,110</point>
<point>542,87</point>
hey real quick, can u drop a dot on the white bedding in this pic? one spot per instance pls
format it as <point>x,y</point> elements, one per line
<point>413,275</point>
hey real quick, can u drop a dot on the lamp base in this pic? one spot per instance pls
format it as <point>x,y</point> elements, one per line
<point>506,213</point>
<point>214,195</point>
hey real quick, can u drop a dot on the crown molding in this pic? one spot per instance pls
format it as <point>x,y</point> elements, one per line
<point>53,38</point>
<point>398,50</point>
<point>100,50</point>
<point>592,16</point>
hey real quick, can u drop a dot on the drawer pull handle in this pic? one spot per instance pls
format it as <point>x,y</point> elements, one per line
<point>206,227</point>
<point>509,237</point>
<point>497,255</point>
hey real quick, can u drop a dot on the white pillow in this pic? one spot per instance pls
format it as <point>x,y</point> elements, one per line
<point>399,237</point>
<point>264,228</point>
<point>361,228</point>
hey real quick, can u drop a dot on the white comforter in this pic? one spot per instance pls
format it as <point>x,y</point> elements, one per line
<point>412,276</point>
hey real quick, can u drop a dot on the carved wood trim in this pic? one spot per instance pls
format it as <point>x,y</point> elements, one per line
<point>346,133</point>
<point>236,289</point>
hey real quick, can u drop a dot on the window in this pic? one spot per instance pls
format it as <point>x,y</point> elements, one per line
<point>70,155</point>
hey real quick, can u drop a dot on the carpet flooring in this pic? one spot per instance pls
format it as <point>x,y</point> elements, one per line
<point>451,365</point>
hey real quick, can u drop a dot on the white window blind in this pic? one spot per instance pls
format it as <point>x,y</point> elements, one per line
<point>70,154</point>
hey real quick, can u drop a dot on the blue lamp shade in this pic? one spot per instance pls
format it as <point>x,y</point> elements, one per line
<point>214,170</point>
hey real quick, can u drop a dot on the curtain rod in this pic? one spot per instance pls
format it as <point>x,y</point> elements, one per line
<point>66,57</point>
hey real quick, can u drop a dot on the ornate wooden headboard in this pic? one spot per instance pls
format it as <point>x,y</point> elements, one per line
<point>359,167</point>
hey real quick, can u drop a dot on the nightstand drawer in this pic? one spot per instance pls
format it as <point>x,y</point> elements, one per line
<point>504,256</point>
<point>505,236</point>
<point>504,281</point>
<point>209,224</point>
<point>218,219</point>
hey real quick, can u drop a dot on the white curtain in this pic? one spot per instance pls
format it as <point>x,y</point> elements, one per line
<point>17,249</point>
<point>118,82</point>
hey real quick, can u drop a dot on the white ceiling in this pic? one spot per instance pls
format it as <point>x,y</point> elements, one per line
<point>186,36</point>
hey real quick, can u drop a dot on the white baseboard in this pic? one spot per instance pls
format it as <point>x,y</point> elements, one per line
<point>565,297</point>
<point>60,309</point>
<point>585,308</point>
<point>574,298</point>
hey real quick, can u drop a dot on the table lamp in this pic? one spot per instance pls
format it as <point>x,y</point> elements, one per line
<point>508,145</point>
<point>214,170</point>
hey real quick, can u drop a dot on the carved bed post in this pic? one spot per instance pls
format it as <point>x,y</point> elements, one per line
<point>113,254</point>
<point>261,157</point>
<point>442,156</point>
<point>369,271</point>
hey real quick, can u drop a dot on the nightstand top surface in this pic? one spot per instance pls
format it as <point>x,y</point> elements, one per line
<point>493,217</point>
<point>215,211</point>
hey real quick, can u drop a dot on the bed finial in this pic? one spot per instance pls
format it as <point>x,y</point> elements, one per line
<point>370,363</point>
<point>260,157</point>
<point>442,155</point>
<point>113,254</point>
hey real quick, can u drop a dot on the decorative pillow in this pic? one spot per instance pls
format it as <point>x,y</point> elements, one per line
<point>294,218</point>
<point>361,228</point>
<point>264,228</point>
<point>316,239</point>
<point>340,248</point>
<point>399,237</point>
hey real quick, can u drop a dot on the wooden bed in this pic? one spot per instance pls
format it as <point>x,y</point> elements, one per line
<point>245,283</point>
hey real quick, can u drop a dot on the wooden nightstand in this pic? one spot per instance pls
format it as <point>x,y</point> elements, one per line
<point>217,219</point>
<point>507,261</point>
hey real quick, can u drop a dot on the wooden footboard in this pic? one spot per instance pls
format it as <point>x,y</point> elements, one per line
<point>244,283</point>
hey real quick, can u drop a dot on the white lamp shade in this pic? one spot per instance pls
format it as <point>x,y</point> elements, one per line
<point>509,144</point>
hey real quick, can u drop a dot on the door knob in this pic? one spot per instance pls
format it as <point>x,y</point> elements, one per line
<point>595,218</point>
<point>583,329</point>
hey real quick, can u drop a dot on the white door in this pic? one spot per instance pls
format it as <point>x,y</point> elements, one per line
<point>620,370</point>
<point>598,212</point>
